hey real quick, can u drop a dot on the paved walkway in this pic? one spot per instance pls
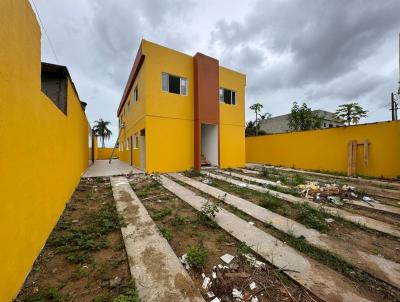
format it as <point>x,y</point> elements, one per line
<point>158,273</point>
<point>321,280</point>
<point>117,167</point>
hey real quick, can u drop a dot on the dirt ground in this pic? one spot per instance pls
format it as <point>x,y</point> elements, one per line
<point>184,228</point>
<point>84,258</point>
<point>373,242</point>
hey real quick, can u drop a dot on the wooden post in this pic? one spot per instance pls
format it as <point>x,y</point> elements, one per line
<point>352,158</point>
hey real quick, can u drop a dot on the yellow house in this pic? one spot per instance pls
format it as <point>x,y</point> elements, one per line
<point>180,112</point>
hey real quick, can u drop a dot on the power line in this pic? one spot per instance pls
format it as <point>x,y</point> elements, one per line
<point>45,32</point>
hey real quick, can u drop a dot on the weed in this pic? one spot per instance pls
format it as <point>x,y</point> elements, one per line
<point>50,294</point>
<point>207,214</point>
<point>271,202</point>
<point>192,173</point>
<point>167,234</point>
<point>178,221</point>
<point>311,217</point>
<point>209,209</point>
<point>244,248</point>
<point>160,214</point>
<point>197,256</point>
<point>128,295</point>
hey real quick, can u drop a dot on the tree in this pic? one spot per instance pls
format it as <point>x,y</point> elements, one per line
<point>302,118</point>
<point>351,113</point>
<point>256,108</point>
<point>101,129</point>
<point>251,129</point>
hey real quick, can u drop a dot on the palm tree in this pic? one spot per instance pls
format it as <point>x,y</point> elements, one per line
<point>101,129</point>
<point>256,108</point>
<point>351,113</point>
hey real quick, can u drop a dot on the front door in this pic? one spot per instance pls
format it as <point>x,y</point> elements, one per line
<point>143,149</point>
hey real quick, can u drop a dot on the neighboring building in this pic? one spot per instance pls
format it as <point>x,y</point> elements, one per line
<point>179,112</point>
<point>280,124</point>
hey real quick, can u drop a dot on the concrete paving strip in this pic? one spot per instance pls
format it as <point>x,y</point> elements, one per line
<point>253,179</point>
<point>365,221</point>
<point>393,185</point>
<point>319,279</point>
<point>373,206</point>
<point>158,273</point>
<point>379,267</point>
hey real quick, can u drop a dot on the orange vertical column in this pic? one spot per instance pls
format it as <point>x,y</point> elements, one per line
<point>206,104</point>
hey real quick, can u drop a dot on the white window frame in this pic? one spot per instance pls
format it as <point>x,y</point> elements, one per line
<point>182,82</point>
<point>221,96</point>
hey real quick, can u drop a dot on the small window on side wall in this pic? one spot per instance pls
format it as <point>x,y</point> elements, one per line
<point>135,141</point>
<point>135,94</point>
<point>227,96</point>
<point>174,84</point>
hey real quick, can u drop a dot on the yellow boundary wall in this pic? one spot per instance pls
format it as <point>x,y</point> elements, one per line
<point>105,153</point>
<point>327,149</point>
<point>43,154</point>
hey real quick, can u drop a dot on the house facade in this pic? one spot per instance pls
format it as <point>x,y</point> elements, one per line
<point>179,112</point>
<point>280,124</point>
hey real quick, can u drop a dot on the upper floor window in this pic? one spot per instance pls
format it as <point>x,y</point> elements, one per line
<point>135,141</point>
<point>174,84</point>
<point>135,94</point>
<point>129,106</point>
<point>227,96</point>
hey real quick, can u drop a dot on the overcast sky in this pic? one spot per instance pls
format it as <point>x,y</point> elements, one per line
<point>324,53</point>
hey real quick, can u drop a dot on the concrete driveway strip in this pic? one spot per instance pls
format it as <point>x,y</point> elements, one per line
<point>158,273</point>
<point>319,279</point>
<point>381,268</point>
<point>394,185</point>
<point>365,221</point>
<point>375,206</point>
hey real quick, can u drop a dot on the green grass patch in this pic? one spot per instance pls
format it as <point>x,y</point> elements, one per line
<point>166,233</point>
<point>160,214</point>
<point>311,217</point>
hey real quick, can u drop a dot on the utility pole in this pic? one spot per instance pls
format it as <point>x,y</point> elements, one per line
<point>395,97</point>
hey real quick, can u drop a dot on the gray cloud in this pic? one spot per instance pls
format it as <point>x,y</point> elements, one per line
<point>323,52</point>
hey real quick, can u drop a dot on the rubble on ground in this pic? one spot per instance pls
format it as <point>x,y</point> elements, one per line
<point>338,195</point>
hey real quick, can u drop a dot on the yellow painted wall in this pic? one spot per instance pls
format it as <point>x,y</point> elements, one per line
<point>46,151</point>
<point>105,153</point>
<point>326,149</point>
<point>169,144</point>
<point>232,120</point>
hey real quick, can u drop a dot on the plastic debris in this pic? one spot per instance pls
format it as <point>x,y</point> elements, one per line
<point>216,299</point>
<point>210,294</point>
<point>227,258</point>
<point>206,181</point>
<point>214,275</point>
<point>253,261</point>
<point>184,261</point>
<point>237,294</point>
<point>254,299</point>
<point>329,220</point>
<point>366,198</point>
<point>335,200</point>
<point>206,282</point>
<point>252,285</point>
<point>251,222</point>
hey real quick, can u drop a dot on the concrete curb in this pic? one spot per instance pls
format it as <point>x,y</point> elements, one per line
<point>158,273</point>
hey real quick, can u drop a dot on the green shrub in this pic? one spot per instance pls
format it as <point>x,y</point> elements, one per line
<point>130,295</point>
<point>197,256</point>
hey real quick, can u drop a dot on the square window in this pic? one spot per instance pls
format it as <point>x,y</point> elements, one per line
<point>174,84</point>
<point>227,96</point>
